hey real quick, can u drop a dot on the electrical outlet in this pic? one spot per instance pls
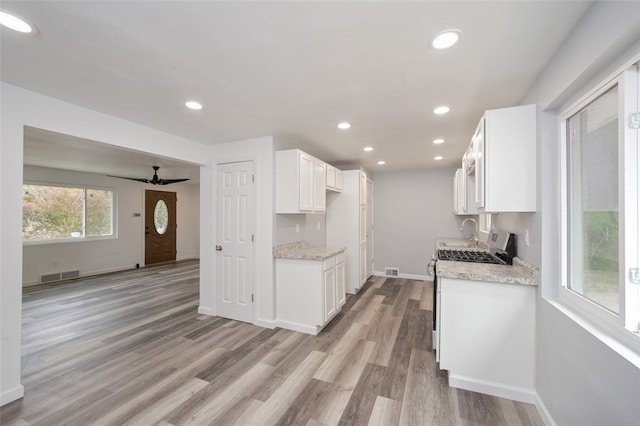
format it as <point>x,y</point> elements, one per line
<point>526,237</point>
<point>297,228</point>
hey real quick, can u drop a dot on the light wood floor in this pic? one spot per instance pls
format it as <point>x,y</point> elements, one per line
<point>130,348</point>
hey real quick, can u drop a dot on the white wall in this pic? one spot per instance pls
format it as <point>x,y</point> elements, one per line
<point>94,257</point>
<point>580,380</point>
<point>412,209</point>
<point>310,228</point>
<point>24,108</point>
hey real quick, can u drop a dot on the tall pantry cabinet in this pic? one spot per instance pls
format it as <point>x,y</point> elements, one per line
<point>349,223</point>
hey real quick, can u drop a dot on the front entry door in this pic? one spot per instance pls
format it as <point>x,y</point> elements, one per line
<point>234,248</point>
<point>160,226</point>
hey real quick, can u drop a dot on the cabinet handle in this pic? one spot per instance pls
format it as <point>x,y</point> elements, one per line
<point>218,248</point>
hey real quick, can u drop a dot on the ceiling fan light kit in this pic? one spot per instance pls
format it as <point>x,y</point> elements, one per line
<point>155,180</point>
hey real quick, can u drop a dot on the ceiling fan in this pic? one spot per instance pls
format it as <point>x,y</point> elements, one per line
<point>155,180</point>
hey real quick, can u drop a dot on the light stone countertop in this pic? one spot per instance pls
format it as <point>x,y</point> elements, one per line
<point>302,250</point>
<point>521,272</point>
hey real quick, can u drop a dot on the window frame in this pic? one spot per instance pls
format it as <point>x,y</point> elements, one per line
<point>83,238</point>
<point>614,325</point>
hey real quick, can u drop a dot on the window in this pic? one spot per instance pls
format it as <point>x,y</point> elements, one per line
<point>601,193</point>
<point>484,222</point>
<point>61,212</point>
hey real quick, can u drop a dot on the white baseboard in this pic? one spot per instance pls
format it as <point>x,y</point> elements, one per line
<point>103,271</point>
<point>265,323</point>
<point>11,395</point>
<point>544,413</point>
<point>405,276</point>
<point>492,388</point>
<point>297,327</point>
<point>206,311</point>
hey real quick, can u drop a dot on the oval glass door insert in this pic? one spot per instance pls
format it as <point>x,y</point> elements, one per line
<point>161,217</point>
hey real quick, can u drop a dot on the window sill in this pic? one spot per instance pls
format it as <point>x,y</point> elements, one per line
<point>629,353</point>
<point>67,240</point>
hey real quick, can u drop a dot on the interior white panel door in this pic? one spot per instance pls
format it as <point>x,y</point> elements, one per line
<point>235,257</point>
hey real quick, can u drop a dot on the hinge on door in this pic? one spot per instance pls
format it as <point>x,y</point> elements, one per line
<point>634,275</point>
<point>634,120</point>
<point>252,297</point>
<point>253,178</point>
<point>252,238</point>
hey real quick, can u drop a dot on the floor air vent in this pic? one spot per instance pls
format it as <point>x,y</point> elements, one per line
<point>391,272</point>
<point>59,276</point>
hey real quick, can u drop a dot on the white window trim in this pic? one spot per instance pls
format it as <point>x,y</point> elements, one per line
<point>66,240</point>
<point>603,324</point>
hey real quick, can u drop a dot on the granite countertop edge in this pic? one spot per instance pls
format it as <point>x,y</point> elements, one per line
<point>303,251</point>
<point>521,272</point>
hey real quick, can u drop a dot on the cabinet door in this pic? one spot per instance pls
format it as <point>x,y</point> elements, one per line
<point>455,197</point>
<point>331,177</point>
<point>363,188</point>
<point>306,187</point>
<point>478,144</point>
<point>341,294</point>
<point>320,187</point>
<point>363,224</point>
<point>330,307</point>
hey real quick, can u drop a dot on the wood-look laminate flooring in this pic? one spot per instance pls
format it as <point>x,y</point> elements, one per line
<point>130,348</point>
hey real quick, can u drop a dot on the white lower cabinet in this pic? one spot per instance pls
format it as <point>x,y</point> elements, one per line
<point>309,293</point>
<point>486,333</point>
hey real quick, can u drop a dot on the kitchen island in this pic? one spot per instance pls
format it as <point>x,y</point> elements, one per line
<point>310,285</point>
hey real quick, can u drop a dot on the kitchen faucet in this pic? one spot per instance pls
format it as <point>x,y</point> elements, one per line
<point>474,236</point>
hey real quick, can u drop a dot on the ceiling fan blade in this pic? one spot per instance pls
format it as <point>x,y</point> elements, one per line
<point>153,181</point>
<point>169,181</point>
<point>128,178</point>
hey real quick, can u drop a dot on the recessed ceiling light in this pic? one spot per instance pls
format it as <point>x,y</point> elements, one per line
<point>441,110</point>
<point>382,163</point>
<point>367,148</point>
<point>438,141</point>
<point>193,105</point>
<point>16,23</point>
<point>445,39</point>
<point>344,125</point>
<point>438,157</point>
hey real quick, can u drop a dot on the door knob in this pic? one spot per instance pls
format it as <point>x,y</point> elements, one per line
<point>218,248</point>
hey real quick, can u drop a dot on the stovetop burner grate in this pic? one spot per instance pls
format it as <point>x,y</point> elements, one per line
<point>469,256</point>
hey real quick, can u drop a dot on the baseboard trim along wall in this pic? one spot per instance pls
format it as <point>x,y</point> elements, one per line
<point>297,327</point>
<point>544,413</point>
<point>206,311</point>
<point>491,388</point>
<point>405,276</point>
<point>265,323</point>
<point>11,395</point>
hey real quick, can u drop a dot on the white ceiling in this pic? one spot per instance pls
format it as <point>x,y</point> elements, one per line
<point>288,69</point>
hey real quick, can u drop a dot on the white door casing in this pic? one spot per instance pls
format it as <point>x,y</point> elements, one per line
<point>234,247</point>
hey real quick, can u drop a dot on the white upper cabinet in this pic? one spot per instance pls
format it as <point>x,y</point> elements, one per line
<point>335,179</point>
<point>305,180</point>
<point>300,183</point>
<point>503,163</point>
<point>320,186</point>
<point>463,201</point>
